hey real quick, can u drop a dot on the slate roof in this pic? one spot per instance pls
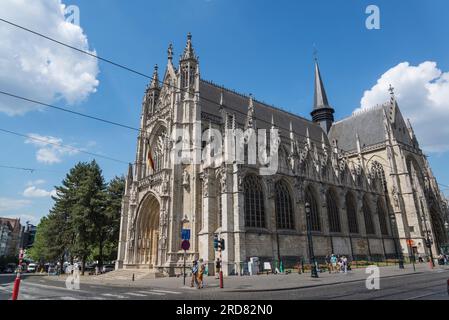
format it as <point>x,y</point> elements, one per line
<point>320,97</point>
<point>369,125</point>
<point>263,113</point>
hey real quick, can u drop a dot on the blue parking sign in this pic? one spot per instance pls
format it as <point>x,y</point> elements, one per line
<point>185,234</point>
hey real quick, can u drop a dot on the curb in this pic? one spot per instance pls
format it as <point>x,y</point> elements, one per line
<point>318,285</point>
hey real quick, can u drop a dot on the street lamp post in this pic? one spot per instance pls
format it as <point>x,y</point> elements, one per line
<point>314,273</point>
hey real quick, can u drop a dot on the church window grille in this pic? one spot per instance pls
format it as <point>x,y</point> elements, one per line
<point>382,217</point>
<point>283,206</point>
<point>333,214</point>
<point>369,225</point>
<point>254,203</point>
<point>314,218</point>
<point>352,214</point>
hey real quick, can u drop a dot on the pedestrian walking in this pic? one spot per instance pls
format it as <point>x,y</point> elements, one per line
<point>194,280</point>
<point>328,263</point>
<point>201,269</point>
<point>333,261</point>
<point>345,264</point>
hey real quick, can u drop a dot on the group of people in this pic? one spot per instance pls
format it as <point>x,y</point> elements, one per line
<point>198,270</point>
<point>337,263</point>
<point>443,259</point>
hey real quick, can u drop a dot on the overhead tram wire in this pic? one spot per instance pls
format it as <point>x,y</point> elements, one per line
<point>140,74</point>
<point>69,111</point>
<point>135,72</point>
<point>62,146</point>
<point>31,170</point>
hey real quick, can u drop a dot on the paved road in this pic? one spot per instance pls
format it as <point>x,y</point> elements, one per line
<point>420,286</point>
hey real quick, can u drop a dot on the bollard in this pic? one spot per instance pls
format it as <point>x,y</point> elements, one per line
<point>221,279</point>
<point>133,276</point>
<point>15,291</point>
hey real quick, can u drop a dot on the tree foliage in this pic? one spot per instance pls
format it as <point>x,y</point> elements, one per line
<point>84,221</point>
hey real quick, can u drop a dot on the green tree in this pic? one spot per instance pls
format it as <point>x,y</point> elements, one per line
<point>84,221</point>
<point>88,208</point>
<point>114,195</point>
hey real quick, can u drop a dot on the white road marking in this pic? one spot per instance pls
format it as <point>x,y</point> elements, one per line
<point>166,291</point>
<point>68,298</point>
<point>135,294</point>
<point>152,292</point>
<point>45,286</point>
<point>113,295</point>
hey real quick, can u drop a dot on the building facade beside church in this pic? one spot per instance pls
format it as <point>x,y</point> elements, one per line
<point>371,192</point>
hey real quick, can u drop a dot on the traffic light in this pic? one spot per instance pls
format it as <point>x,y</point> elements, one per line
<point>222,244</point>
<point>216,241</point>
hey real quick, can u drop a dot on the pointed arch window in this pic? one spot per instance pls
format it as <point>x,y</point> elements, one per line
<point>369,225</point>
<point>314,221</point>
<point>351,213</point>
<point>283,206</point>
<point>382,218</point>
<point>378,171</point>
<point>254,202</point>
<point>333,213</point>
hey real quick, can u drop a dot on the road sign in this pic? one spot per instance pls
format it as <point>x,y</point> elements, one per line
<point>185,234</point>
<point>185,245</point>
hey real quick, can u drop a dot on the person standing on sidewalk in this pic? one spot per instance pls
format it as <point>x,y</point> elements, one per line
<point>201,269</point>
<point>328,263</point>
<point>194,280</point>
<point>334,263</point>
<point>345,264</point>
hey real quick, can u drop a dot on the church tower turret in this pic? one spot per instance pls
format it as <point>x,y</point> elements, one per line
<point>188,65</point>
<point>322,112</point>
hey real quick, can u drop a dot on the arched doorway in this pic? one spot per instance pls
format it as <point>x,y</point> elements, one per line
<point>148,232</point>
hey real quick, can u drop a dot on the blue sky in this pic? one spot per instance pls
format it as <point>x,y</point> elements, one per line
<point>262,47</point>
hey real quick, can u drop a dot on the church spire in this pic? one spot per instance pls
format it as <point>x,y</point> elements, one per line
<point>188,66</point>
<point>155,79</point>
<point>189,53</point>
<point>322,112</point>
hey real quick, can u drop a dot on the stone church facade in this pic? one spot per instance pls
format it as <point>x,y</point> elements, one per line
<point>371,192</point>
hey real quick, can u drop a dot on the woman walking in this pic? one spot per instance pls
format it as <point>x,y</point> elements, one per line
<point>201,269</point>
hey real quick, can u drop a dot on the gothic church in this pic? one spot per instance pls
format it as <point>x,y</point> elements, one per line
<point>369,190</point>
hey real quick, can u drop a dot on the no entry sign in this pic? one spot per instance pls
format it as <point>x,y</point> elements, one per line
<point>185,245</point>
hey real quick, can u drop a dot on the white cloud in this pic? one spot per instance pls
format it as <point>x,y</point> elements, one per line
<point>49,151</point>
<point>423,96</point>
<point>34,192</point>
<point>8,204</point>
<point>35,182</point>
<point>37,68</point>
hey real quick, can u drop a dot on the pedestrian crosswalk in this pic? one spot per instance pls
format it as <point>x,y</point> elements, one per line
<point>41,292</point>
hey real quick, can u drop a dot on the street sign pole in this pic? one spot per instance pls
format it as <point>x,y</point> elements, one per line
<point>184,267</point>
<point>185,245</point>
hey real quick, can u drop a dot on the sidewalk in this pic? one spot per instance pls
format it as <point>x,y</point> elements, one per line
<point>261,282</point>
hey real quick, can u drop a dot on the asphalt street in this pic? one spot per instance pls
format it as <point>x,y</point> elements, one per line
<point>419,286</point>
